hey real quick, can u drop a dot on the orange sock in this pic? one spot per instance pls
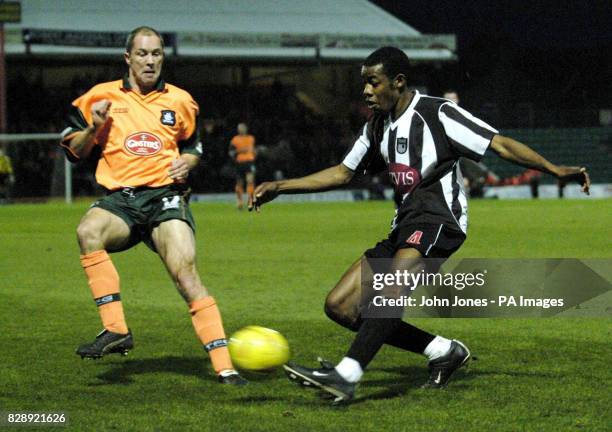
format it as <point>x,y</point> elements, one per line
<point>207,323</point>
<point>104,283</point>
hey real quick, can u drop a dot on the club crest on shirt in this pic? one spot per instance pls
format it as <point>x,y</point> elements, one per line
<point>401,145</point>
<point>168,117</point>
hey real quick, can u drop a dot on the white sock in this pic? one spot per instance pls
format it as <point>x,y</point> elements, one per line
<point>350,369</point>
<point>437,348</point>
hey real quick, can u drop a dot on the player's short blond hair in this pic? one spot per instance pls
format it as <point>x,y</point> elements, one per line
<point>144,30</point>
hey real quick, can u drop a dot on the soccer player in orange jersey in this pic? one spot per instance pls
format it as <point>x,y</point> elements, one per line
<point>242,150</point>
<point>146,134</point>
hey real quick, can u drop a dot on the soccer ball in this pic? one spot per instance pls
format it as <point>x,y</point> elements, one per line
<point>258,348</point>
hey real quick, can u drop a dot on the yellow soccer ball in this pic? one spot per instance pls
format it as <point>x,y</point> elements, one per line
<point>258,348</point>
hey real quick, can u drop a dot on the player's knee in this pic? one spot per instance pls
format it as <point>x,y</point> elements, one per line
<point>336,311</point>
<point>328,309</point>
<point>332,311</point>
<point>89,237</point>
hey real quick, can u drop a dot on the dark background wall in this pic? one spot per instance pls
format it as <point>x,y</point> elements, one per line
<point>522,63</point>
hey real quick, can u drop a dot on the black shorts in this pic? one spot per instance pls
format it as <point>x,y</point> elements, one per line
<point>242,169</point>
<point>431,240</point>
<point>144,208</point>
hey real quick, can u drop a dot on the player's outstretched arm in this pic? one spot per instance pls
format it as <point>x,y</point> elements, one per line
<point>327,179</point>
<point>518,153</point>
<point>82,143</point>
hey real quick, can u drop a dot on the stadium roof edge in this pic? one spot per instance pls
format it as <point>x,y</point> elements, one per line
<point>266,29</point>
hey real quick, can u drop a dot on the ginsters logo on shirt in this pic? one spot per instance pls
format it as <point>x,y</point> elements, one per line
<point>143,144</point>
<point>404,178</point>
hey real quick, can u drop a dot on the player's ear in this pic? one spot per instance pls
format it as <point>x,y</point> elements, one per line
<point>126,56</point>
<point>400,82</point>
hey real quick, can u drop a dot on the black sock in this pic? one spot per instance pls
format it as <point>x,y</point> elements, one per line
<point>406,336</point>
<point>371,336</point>
<point>410,338</point>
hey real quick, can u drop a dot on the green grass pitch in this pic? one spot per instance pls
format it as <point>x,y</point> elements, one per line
<point>274,269</point>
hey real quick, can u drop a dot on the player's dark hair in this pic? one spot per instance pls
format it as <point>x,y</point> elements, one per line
<point>393,60</point>
<point>129,42</point>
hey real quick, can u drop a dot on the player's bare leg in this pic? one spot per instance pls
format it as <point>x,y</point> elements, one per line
<point>239,189</point>
<point>374,331</point>
<point>340,381</point>
<point>343,305</point>
<point>99,231</point>
<point>250,181</point>
<point>175,243</point>
<point>343,301</point>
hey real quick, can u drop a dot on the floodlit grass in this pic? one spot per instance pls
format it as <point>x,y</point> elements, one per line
<point>274,269</point>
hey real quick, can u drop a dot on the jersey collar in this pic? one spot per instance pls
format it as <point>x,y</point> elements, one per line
<point>125,84</point>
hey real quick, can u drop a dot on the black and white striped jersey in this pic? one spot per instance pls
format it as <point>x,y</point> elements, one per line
<point>421,149</point>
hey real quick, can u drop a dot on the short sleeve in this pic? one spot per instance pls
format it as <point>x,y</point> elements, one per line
<point>365,154</point>
<point>79,118</point>
<point>190,141</point>
<point>357,155</point>
<point>469,136</point>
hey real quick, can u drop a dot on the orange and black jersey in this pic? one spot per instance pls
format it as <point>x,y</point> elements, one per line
<point>244,146</point>
<point>144,134</point>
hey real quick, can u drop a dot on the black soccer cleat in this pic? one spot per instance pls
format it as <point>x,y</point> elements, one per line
<point>107,342</point>
<point>325,378</point>
<point>232,378</point>
<point>325,364</point>
<point>442,368</point>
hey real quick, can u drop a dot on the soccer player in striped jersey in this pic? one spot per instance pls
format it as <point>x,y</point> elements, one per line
<point>419,140</point>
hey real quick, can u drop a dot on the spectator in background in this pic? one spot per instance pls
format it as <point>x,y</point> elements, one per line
<point>242,150</point>
<point>6,176</point>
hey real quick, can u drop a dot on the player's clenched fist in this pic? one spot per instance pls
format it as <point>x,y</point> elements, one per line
<point>99,112</point>
<point>264,193</point>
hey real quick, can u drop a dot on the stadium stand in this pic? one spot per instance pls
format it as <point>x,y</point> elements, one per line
<point>297,102</point>
<point>591,146</point>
